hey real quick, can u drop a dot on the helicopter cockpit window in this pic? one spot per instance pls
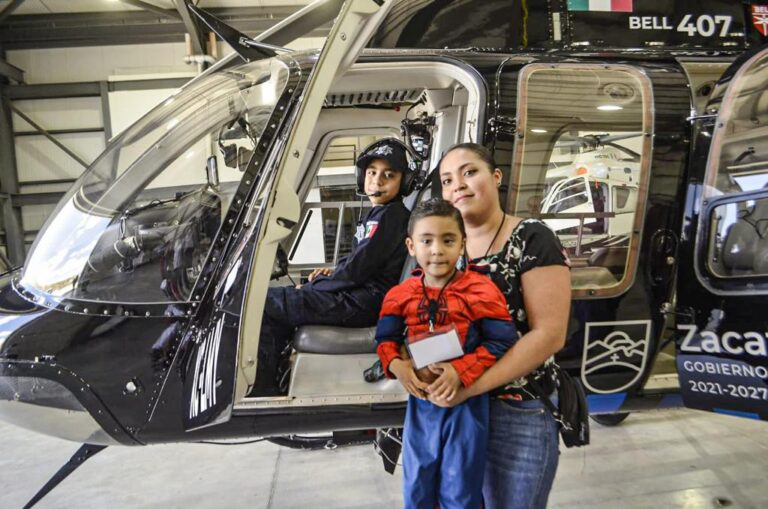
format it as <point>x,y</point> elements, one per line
<point>138,224</point>
<point>578,164</point>
<point>737,177</point>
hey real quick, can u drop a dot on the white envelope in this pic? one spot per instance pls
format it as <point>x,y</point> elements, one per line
<point>436,348</point>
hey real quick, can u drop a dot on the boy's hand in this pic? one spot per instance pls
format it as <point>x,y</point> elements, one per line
<point>319,272</point>
<point>447,383</point>
<point>403,371</point>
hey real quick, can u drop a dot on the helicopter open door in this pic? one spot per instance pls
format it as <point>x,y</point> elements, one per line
<point>222,361</point>
<point>720,317</point>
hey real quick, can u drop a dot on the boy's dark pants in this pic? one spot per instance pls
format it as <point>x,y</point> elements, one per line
<point>287,307</point>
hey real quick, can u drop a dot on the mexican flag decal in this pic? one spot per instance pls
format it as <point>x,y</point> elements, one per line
<point>600,5</point>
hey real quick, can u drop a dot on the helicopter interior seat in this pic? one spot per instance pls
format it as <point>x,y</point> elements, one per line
<point>329,361</point>
<point>592,278</point>
<point>613,258</point>
<point>744,245</point>
<point>338,340</point>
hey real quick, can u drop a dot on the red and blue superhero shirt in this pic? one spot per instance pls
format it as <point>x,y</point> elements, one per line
<point>471,302</point>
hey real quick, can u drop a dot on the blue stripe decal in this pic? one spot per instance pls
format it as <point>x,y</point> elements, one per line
<point>605,403</point>
<point>736,413</point>
<point>671,401</point>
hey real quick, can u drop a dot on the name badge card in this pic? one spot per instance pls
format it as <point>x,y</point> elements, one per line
<point>440,345</point>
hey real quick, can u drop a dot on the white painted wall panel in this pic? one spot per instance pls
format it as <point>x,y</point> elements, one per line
<point>306,43</point>
<point>38,159</point>
<point>33,216</point>
<point>127,106</point>
<point>67,65</point>
<point>44,188</point>
<point>51,114</point>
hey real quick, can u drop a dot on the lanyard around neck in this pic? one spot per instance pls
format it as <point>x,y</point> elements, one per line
<point>433,304</point>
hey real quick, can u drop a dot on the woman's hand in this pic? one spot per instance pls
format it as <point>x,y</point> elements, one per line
<point>319,272</point>
<point>403,371</point>
<point>447,383</point>
<point>458,398</point>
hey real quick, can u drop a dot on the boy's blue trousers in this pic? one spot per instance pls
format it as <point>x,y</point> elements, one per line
<point>444,454</point>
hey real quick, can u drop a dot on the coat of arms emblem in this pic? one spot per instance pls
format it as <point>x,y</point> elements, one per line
<point>614,354</point>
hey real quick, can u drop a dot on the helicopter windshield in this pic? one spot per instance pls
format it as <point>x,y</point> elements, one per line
<point>137,226</point>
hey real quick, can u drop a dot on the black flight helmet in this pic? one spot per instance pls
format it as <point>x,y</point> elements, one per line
<point>399,156</point>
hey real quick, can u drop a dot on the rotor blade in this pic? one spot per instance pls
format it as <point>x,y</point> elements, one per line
<point>617,137</point>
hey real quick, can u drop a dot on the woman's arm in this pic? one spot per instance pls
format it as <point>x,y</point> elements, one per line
<point>547,300</point>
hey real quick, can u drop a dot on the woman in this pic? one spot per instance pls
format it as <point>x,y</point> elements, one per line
<point>528,264</point>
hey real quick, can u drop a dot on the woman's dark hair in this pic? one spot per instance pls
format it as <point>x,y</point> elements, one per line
<point>480,151</point>
<point>435,207</point>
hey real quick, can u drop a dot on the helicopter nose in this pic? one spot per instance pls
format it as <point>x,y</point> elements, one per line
<point>44,405</point>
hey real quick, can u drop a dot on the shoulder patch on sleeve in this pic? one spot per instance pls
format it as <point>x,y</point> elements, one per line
<point>370,228</point>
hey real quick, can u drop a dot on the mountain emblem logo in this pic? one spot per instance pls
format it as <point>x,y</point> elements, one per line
<point>614,354</point>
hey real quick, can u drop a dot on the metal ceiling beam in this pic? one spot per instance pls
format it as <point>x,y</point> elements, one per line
<point>52,91</point>
<point>152,8</point>
<point>9,185</point>
<point>302,22</point>
<point>48,135</point>
<point>86,89</point>
<point>139,27</point>
<point>198,43</point>
<point>9,9</point>
<point>11,72</point>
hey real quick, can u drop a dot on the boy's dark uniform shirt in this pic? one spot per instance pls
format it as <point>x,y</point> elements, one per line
<point>378,253</point>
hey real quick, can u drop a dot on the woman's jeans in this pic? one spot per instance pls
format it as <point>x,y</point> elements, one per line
<point>522,455</point>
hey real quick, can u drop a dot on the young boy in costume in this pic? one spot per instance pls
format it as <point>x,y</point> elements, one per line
<point>444,449</point>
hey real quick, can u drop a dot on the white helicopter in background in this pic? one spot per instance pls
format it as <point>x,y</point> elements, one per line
<point>590,195</point>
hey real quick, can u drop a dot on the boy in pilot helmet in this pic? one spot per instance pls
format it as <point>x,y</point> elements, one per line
<point>444,449</point>
<point>349,295</point>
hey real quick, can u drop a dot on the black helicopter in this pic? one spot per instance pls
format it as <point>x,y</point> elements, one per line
<point>135,319</point>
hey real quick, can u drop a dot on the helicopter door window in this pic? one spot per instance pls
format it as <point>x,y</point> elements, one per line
<point>621,197</point>
<point>138,225</point>
<point>735,216</point>
<point>578,165</point>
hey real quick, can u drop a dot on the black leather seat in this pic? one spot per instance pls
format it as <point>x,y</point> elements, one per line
<point>336,340</point>
<point>329,339</point>
<point>613,258</point>
<point>745,243</point>
<point>740,246</point>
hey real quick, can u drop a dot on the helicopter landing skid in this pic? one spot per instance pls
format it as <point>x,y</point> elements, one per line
<point>83,453</point>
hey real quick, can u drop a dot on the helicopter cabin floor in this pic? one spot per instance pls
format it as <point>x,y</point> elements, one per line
<point>670,459</point>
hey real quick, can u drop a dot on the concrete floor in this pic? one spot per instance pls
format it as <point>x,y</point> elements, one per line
<point>671,459</point>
